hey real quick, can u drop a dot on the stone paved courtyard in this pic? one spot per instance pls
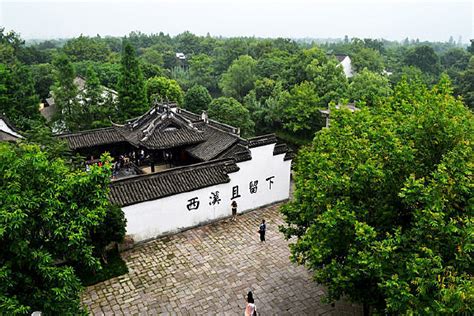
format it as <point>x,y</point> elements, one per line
<point>208,270</point>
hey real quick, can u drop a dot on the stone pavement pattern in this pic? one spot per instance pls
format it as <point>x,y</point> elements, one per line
<point>208,270</point>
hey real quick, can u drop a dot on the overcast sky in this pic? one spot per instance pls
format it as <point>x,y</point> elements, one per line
<point>434,20</point>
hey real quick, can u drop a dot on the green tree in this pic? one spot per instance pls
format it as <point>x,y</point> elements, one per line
<point>201,71</point>
<point>68,114</point>
<point>227,52</point>
<point>367,58</point>
<point>197,99</point>
<point>329,80</point>
<point>455,58</point>
<point>274,65</point>
<point>18,99</point>
<point>10,46</point>
<point>97,104</point>
<point>301,110</point>
<point>151,56</point>
<point>383,204</point>
<point>47,213</point>
<point>86,48</point>
<point>188,43</point>
<point>264,88</point>
<point>239,79</point>
<point>423,57</point>
<point>182,77</point>
<point>266,111</point>
<point>230,111</point>
<point>110,230</point>
<point>43,79</point>
<point>298,65</point>
<point>466,84</point>
<point>164,89</point>
<point>131,86</point>
<point>369,88</point>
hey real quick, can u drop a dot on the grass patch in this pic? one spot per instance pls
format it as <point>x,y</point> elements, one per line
<point>114,267</point>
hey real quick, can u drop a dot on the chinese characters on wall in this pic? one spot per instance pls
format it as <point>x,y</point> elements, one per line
<point>214,198</point>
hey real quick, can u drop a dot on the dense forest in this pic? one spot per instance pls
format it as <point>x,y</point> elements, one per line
<point>260,85</point>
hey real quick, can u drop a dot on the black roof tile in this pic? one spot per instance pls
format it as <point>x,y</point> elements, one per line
<point>173,181</point>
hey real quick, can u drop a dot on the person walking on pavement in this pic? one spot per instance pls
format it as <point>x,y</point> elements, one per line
<point>250,308</point>
<point>234,211</point>
<point>261,230</point>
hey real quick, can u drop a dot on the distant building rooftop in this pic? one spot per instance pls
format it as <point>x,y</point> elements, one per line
<point>7,131</point>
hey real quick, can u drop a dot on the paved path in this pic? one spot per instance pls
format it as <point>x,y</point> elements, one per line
<point>208,270</point>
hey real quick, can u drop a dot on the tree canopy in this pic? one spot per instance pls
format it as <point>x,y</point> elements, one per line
<point>164,89</point>
<point>369,87</point>
<point>383,204</point>
<point>197,99</point>
<point>131,86</point>
<point>230,111</point>
<point>239,79</point>
<point>48,214</point>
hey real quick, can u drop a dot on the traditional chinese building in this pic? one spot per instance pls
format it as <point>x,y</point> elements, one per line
<point>185,169</point>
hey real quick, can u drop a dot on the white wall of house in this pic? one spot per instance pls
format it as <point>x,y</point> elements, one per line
<point>5,128</point>
<point>170,214</point>
<point>347,67</point>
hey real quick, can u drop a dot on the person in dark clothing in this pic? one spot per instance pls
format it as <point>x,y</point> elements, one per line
<point>261,230</point>
<point>234,210</point>
<point>250,308</point>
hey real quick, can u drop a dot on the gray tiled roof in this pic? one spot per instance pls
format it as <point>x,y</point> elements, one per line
<point>91,138</point>
<point>216,141</point>
<point>162,128</point>
<point>153,130</point>
<point>161,132</point>
<point>262,140</point>
<point>237,151</point>
<point>173,181</point>
<point>280,149</point>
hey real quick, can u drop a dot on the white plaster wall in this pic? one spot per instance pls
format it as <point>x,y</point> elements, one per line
<point>4,127</point>
<point>347,67</point>
<point>166,215</point>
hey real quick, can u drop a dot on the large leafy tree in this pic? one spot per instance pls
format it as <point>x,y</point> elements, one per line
<point>43,79</point>
<point>201,71</point>
<point>369,87</point>
<point>383,206</point>
<point>239,79</point>
<point>164,89</point>
<point>329,80</point>
<point>265,111</point>
<point>466,84</point>
<point>274,65</point>
<point>297,71</point>
<point>423,57</point>
<point>301,107</point>
<point>65,93</point>
<point>97,103</point>
<point>230,111</point>
<point>18,99</point>
<point>131,85</point>
<point>86,48</point>
<point>197,99</point>
<point>369,58</point>
<point>47,216</point>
